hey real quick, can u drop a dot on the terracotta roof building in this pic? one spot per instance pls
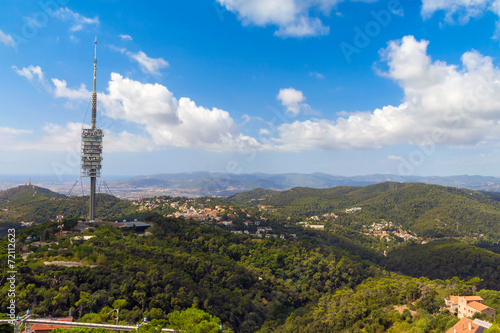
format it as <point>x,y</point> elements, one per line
<point>46,328</point>
<point>469,305</point>
<point>467,325</point>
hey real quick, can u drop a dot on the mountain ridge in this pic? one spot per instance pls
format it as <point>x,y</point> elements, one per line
<point>225,184</point>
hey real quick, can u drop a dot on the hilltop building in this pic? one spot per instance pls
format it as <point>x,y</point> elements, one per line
<point>46,328</point>
<point>467,306</point>
<point>140,227</point>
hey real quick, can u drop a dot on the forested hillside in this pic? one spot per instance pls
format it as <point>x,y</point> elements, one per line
<point>32,203</point>
<point>445,260</point>
<point>428,210</point>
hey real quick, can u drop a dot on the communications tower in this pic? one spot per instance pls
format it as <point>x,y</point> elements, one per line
<point>92,148</point>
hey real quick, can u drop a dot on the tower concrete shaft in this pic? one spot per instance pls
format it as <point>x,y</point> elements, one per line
<point>92,147</point>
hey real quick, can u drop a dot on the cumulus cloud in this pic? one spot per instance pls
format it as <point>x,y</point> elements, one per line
<point>293,100</point>
<point>461,11</point>
<point>7,39</point>
<point>170,121</point>
<point>33,74</point>
<point>291,17</point>
<point>148,65</point>
<point>126,37</point>
<point>61,90</point>
<point>443,104</point>
<point>78,21</point>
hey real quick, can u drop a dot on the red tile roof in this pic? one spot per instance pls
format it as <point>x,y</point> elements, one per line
<point>463,327</point>
<point>478,306</point>
<point>50,327</point>
<point>473,298</point>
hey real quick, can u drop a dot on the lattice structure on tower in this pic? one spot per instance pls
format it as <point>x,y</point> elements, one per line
<point>91,152</point>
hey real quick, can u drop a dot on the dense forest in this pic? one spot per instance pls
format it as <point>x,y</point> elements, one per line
<point>311,284</point>
<point>446,259</point>
<point>246,284</point>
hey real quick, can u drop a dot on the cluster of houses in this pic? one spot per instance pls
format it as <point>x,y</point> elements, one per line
<point>265,232</point>
<point>387,230</point>
<point>218,216</point>
<point>466,307</point>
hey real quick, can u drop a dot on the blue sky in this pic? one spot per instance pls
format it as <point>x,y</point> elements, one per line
<point>341,87</point>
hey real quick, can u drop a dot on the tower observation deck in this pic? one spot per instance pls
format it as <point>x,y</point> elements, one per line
<point>92,148</point>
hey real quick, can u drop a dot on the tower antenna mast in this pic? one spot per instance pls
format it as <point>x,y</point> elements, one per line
<point>94,91</point>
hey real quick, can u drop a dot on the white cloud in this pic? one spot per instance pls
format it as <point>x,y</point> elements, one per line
<point>78,21</point>
<point>292,17</point>
<point>13,131</point>
<point>11,137</point>
<point>443,104</point>
<point>7,39</point>
<point>394,157</point>
<point>264,131</point>
<point>127,142</point>
<point>303,27</point>
<point>172,122</point>
<point>126,37</point>
<point>317,75</point>
<point>148,65</point>
<point>61,90</point>
<point>293,100</point>
<point>461,11</point>
<point>33,74</point>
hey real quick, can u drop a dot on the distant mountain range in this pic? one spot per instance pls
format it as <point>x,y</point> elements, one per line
<point>224,184</point>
